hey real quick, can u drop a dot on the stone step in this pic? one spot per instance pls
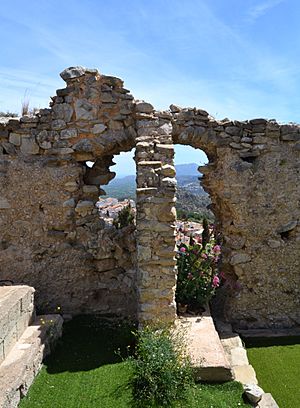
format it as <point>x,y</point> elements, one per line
<point>206,351</point>
<point>16,313</point>
<point>24,361</point>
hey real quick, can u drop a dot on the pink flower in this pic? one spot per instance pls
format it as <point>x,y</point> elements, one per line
<point>216,281</point>
<point>204,256</point>
<point>217,249</point>
<point>182,249</point>
<point>189,276</point>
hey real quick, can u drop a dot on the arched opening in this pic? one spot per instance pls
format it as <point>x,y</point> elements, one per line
<point>116,203</point>
<point>197,240</point>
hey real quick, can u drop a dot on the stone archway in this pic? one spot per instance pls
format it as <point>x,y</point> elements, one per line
<point>50,241</point>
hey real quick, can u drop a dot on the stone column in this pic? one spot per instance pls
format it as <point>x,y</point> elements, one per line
<point>156,214</point>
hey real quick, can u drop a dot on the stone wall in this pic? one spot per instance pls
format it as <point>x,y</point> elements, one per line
<point>52,238</point>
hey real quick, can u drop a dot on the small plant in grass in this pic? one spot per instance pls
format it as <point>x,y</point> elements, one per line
<point>161,368</point>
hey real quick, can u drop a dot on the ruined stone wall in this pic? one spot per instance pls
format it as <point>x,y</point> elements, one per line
<point>51,236</point>
<point>253,179</point>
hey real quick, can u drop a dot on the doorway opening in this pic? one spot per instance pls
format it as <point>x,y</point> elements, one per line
<point>116,203</point>
<point>197,241</point>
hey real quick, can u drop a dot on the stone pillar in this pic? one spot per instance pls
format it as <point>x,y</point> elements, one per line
<point>156,214</point>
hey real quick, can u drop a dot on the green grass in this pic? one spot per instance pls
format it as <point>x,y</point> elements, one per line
<point>277,366</point>
<point>84,372</point>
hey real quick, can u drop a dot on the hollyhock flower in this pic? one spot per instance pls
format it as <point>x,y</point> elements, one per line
<point>216,281</point>
<point>217,249</point>
<point>204,256</point>
<point>182,249</point>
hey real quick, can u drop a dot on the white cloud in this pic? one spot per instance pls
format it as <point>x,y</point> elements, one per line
<point>261,9</point>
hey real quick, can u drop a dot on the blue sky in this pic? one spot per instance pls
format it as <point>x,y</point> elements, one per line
<point>236,58</point>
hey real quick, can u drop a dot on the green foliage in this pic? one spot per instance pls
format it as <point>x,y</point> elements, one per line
<point>276,362</point>
<point>161,370</point>
<point>85,372</point>
<point>197,277</point>
<point>124,218</point>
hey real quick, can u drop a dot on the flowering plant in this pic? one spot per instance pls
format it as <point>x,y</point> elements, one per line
<point>198,276</point>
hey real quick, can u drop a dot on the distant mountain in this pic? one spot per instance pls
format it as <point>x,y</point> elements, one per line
<point>187,169</point>
<point>187,176</point>
<point>190,195</point>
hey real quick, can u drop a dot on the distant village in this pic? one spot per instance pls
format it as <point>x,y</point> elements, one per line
<point>109,209</point>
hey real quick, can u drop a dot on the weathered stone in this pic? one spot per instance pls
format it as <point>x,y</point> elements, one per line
<point>239,258</point>
<point>69,203</point>
<point>233,130</point>
<point>9,148</point>
<point>58,124</point>
<point>90,189</point>
<point>144,107</point>
<point>63,111</point>
<point>29,145</point>
<point>267,401</point>
<point>68,133</point>
<point>44,139</point>
<point>253,393</point>
<point>175,108</point>
<point>98,128</point>
<point>4,203</point>
<point>168,171</point>
<point>15,139</point>
<point>235,145</point>
<point>273,243</point>
<point>287,227</point>
<point>72,73</point>
<point>84,207</point>
<point>84,110</point>
<point>71,186</point>
<point>293,137</point>
<point>84,145</point>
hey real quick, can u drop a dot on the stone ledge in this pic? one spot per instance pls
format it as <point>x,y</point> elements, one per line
<point>16,313</point>
<point>24,361</point>
<point>207,354</point>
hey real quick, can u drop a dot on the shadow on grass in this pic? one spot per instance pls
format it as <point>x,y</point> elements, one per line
<point>89,342</point>
<point>271,341</point>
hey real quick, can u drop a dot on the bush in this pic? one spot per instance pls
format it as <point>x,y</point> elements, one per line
<point>198,276</point>
<point>124,218</point>
<point>161,369</point>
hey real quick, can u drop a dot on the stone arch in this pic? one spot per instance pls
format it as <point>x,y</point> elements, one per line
<point>196,128</point>
<point>51,241</point>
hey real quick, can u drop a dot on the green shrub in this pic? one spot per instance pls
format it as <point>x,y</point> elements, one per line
<point>161,369</point>
<point>198,277</point>
<point>124,218</point>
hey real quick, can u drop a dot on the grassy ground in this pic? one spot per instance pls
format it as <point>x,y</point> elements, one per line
<point>277,366</point>
<point>85,372</point>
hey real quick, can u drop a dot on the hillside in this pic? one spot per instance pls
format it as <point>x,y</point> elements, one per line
<point>191,198</point>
